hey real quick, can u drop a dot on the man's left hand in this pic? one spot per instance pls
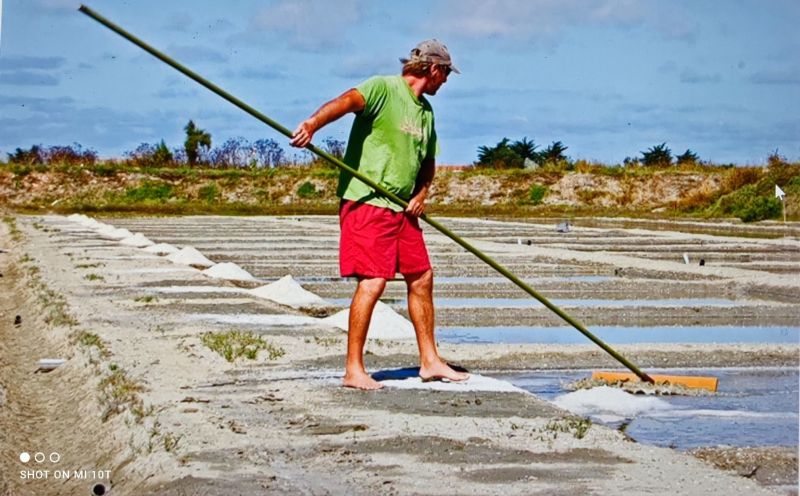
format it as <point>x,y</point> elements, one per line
<point>416,205</point>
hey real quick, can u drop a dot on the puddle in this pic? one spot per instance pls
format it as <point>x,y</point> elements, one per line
<point>753,407</point>
<point>621,335</point>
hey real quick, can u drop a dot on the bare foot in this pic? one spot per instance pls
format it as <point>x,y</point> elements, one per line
<point>440,370</point>
<point>361,381</point>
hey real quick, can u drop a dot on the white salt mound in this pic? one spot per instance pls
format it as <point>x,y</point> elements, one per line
<point>85,221</point>
<point>138,240</point>
<point>111,232</point>
<point>229,271</point>
<point>385,323</point>
<point>190,256</point>
<point>609,404</point>
<point>287,291</point>
<point>162,249</point>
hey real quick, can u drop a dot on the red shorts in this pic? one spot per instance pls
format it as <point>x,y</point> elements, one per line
<point>378,242</point>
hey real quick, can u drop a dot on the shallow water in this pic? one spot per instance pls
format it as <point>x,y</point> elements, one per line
<point>621,335</point>
<point>753,407</point>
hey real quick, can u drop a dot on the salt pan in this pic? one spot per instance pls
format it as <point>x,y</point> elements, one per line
<point>229,271</point>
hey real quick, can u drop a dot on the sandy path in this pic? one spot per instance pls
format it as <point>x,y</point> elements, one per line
<point>167,416</point>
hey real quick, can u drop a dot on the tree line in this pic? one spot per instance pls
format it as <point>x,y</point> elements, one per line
<point>525,153</point>
<point>197,150</point>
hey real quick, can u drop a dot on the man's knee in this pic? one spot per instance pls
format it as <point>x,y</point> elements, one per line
<point>371,288</point>
<point>421,283</point>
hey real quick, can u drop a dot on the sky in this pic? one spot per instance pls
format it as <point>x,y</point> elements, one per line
<point>607,78</point>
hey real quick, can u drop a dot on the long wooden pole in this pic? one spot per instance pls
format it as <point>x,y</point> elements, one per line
<point>377,187</point>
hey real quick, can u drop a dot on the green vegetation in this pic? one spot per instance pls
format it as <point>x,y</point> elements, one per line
<point>577,426</point>
<point>537,193</point>
<point>511,178</point>
<point>149,191</point>
<point>748,205</point>
<point>196,139</point>
<point>119,392</point>
<point>208,193</point>
<point>90,340</point>
<point>54,305</point>
<point>13,230</point>
<point>234,344</point>
<point>307,190</point>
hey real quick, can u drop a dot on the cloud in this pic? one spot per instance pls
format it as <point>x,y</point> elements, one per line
<point>777,76</point>
<point>691,76</point>
<point>27,78</point>
<point>361,67</point>
<point>532,21</point>
<point>313,25</point>
<point>176,93</point>
<point>26,62</point>
<point>526,20</point>
<point>57,6</point>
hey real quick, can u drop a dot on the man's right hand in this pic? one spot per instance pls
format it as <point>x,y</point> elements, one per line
<point>302,135</point>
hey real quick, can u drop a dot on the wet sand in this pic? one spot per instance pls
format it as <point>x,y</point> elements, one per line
<point>166,415</point>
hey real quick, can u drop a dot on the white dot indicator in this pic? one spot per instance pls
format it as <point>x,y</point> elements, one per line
<point>24,457</point>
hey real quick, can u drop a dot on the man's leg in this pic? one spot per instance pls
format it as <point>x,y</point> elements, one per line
<point>420,309</point>
<point>366,296</point>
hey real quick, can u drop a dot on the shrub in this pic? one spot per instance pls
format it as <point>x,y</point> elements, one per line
<point>147,155</point>
<point>234,344</point>
<point>149,191</point>
<point>307,190</point>
<point>748,205</point>
<point>537,193</point>
<point>208,193</point>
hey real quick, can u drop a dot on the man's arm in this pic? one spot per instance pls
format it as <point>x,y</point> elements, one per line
<point>416,205</point>
<point>349,101</point>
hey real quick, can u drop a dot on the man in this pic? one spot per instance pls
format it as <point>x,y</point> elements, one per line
<point>393,142</point>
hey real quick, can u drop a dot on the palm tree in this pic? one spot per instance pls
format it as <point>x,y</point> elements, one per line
<point>525,149</point>
<point>554,153</point>
<point>688,157</point>
<point>195,138</point>
<point>657,155</point>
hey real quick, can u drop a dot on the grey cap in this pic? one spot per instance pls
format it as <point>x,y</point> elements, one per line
<point>432,51</point>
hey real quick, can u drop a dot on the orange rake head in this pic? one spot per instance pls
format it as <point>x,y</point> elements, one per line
<point>692,382</point>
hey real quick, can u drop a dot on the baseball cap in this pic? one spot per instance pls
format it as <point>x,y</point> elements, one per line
<point>432,51</point>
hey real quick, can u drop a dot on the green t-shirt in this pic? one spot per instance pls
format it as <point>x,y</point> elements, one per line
<point>389,140</point>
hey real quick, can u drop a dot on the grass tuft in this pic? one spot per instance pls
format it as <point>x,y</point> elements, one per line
<point>234,344</point>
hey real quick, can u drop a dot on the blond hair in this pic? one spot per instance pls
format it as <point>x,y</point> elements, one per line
<point>417,68</point>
